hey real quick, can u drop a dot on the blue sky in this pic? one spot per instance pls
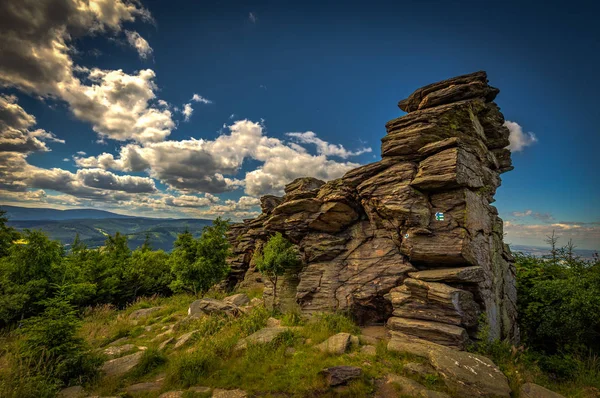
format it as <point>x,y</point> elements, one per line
<point>114,81</point>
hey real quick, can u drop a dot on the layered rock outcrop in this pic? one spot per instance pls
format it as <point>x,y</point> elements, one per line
<point>374,242</point>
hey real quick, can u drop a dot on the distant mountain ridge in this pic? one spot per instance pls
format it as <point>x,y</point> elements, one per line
<point>17,213</point>
<point>94,230</point>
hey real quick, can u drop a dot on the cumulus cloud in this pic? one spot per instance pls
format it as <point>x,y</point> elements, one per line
<point>187,112</point>
<point>139,43</point>
<point>517,138</point>
<point>37,37</point>
<point>583,234</point>
<point>522,213</point>
<point>198,165</point>
<point>199,98</point>
<point>15,133</point>
<point>547,217</point>
<point>325,148</point>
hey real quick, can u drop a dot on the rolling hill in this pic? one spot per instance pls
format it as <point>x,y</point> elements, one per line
<point>94,229</point>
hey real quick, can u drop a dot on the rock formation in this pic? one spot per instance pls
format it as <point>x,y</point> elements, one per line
<point>374,242</point>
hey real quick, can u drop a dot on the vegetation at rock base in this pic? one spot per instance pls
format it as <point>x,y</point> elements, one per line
<point>62,312</point>
<point>276,258</point>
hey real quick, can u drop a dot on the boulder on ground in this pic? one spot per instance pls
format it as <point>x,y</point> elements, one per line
<point>141,388</point>
<point>273,323</point>
<point>122,365</point>
<point>200,389</point>
<point>114,351</point>
<point>407,388</point>
<point>237,299</point>
<point>418,369</point>
<point>209,306</point>
<point>262,336</point>
<point>219,393</point>
<point>470,375</point>
<point>530,390</point>
<point>339,375</point>
<point>144,312</point>
<point>172,394</point>
<point>165,343</point>
<point>369,350</point>
<point>184,338</point>
<point>336,344</point>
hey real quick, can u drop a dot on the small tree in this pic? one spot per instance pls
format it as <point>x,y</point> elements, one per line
<point>278,256</point>
<point>199,264</point>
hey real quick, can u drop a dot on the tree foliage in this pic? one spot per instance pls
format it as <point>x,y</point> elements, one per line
<point>278,256</point>
<point>198,264</point>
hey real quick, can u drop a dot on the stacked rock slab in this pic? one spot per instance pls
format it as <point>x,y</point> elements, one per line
<point>370,241</point>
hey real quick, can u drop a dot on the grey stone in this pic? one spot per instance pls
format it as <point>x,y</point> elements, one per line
<point>338,375</point>
<point>219,393</point>
<point>369,350</point>
<point>144,312</point>
<point>140,388</point>
<point>72,392</point>
<point>118,350</point>
<point>336,344</point>
<point>530,390</point>
<point>237,299</point>
<point>172,394</point>
<point>208,306</point>
<point>263,336</point>
<point>122,365</point>
<point>184,338</point>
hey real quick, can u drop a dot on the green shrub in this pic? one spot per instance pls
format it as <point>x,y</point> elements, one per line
<point>51,339</point>
<point>277,257</point>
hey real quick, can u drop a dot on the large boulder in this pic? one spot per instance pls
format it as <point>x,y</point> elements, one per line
<point>209,306</point>
<point>336,344</point>
<point>412,237</point>
<point>238,300</point>
<point>530,390</point>
<point>122,365</point>
<point>338,375</point>
<point>263,336</point>
<point>144,312</point>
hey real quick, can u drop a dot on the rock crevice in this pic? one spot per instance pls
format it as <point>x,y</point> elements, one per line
<point>411,240</point>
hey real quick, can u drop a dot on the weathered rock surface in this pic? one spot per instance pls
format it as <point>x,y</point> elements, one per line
<point>339,375</point>
<point>144,312</point>
<point>141,388</point>
<point>237,299</point>
<point>530,390</point>
<point>412,239</point>
<point>122,365</point>
<point>336,344</point>
<point>172,394</point>
<point>470,375</point>
<point>184,338</point>
<point>219,393</point>
<point>118,350</point>
<point>209,306</point>
<point>405,387</point>
<point>263,336</point>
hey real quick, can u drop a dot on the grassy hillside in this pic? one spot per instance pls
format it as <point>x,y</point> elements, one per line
<point>93,232</point>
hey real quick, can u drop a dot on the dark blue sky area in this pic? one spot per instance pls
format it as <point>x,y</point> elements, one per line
<point>339,69</point>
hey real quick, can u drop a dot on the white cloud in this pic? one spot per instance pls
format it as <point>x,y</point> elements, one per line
<point>252,17</point>
<point>518,139</point>
<point>522,213</point>
<point>81,153</point>
<point>139,43</point>
<point>36,58</point>
<point>199,98</point>
<point>325,148</point>
<point>187,112</point>
<point>584,235</point>
<point>198,165</point>
<point>15,133</point>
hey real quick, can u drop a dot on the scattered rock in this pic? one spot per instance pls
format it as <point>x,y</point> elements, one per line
<point>369,350</point>
<point>336,344</point>
<point>165,343</point>
<point>237,299</point>
<point>122,365</point>
<point>530,390</point>
<point>219,393</point>
<point>273,323</point>
<point>256,302</point>
<point>371,335</point>
<point>354,341</point>
<point>119,341</point>
<point>144,387</point>
<point>118,350</point>
<point>470,375</point>
<point>262,336</point>
<point>418,369</point>
<point>200,389</point>
<point>184,338</point>
<point>339,375</point>
<point>208,306</point>
<point>172,394</point>
<point>71,392</point>
<point>144,312</point>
